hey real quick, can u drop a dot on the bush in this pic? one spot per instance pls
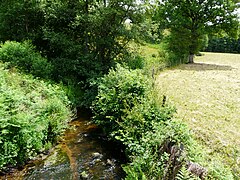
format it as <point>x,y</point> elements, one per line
<point>24,56</point>
<point>126,109</point>
<point>32,114</point>
<point>118,91</point>
<point>152,160</point>
<point>134,62</point>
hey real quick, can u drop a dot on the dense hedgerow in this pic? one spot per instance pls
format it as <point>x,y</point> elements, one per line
<point>223,44</point>
<point>32,114</point>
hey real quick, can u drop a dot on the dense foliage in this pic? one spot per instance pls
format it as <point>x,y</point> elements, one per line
<point>24,57</point>
<point>126,110</point>
<point>152,160</point>
<point>117,92</point>
<point>32,115</point>
<point>79,41</point>
<point>82,42</point>
<point>21,20</point>
<point>224,44</point>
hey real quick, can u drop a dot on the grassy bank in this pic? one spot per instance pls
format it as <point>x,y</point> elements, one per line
<point>32,115</point>
<point>207,97</point>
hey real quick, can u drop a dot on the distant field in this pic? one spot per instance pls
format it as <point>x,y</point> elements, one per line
<point>207,97</point>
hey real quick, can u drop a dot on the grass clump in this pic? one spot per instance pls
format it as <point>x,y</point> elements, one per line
<point>32,114</point>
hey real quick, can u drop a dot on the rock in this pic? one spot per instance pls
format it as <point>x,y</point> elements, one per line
<point>197,170</point>
<point>110,162</point>
<point>97,155</point>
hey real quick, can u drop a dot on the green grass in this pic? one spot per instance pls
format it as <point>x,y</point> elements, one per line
<point>207,98</point>
<point>154,57</point>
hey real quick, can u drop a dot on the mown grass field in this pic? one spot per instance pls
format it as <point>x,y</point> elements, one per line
<point>207,97</point>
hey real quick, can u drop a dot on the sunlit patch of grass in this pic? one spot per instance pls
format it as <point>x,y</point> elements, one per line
<point>154,57</point>
<point>207,97</point>
<point>150,50</point>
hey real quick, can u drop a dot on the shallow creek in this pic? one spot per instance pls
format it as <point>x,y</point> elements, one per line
<point>83,153</point>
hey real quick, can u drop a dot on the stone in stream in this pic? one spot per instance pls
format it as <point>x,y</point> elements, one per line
<point>110,162</point>
<point>96,158</point>
<point>97,155</point>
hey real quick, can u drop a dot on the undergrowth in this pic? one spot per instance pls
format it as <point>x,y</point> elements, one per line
<point>32,115</point>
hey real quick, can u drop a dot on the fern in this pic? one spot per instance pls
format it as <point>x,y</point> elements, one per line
<point>184,174</point>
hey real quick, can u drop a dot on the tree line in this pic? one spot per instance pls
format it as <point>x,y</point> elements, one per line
<point>82,38</point>
<point>223,44</point>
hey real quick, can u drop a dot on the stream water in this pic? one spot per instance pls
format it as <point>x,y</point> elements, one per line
<point>83,153</point>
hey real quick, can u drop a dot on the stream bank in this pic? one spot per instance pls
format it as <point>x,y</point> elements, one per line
<point>83,153</point>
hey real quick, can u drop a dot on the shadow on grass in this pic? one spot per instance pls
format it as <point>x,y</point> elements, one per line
<point>204,67</point>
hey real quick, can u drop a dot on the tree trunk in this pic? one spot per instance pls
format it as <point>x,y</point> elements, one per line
<point>190,58</point>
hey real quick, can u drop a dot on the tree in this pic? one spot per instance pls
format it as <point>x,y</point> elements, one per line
<point>82,39</point>
<point>20,20</point>
<point>189,20</point>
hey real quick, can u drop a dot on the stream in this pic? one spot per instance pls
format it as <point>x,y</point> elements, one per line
<point>83,153</point>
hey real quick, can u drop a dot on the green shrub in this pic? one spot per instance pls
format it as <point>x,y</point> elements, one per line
<point>117,92</point>
<point>138,121</point>
<point>130,112</point>
<point>32,114</point>
<point>134,61</point>
<point>151,160</point>
<point>24,56</point>
<point>126,109</point>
